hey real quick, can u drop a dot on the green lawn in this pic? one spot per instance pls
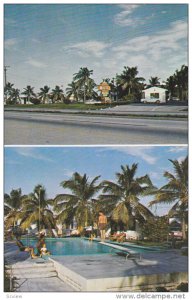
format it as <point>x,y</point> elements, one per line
<point>80,106</point>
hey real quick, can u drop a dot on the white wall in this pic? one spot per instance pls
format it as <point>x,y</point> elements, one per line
<point>160,91</point>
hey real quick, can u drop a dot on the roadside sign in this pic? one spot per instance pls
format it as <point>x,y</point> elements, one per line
<point>104,87</point>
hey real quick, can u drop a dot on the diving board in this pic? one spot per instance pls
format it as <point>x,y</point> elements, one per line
<point>129,253</point>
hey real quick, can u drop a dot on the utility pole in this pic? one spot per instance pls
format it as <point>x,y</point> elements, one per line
<point>5,74</point>
<point>5,82</point>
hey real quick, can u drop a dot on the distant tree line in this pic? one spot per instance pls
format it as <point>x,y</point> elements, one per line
<point>126,86</point>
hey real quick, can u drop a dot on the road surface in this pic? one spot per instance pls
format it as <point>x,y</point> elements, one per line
<point>26,128</point>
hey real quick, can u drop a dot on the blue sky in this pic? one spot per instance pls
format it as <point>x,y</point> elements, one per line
<point>26,167</point>
<point>45,44</point>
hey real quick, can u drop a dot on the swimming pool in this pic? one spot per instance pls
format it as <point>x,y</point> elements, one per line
<point>72,246</point>
<point>79,246</point>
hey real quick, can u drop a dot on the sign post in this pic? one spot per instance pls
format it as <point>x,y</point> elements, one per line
<point>104,88</point>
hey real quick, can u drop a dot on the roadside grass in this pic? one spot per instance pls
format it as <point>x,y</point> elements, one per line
<point>80,106</point>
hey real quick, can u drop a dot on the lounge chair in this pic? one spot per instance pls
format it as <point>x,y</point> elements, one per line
<point>108,233</point>
<point>119,237</point>
<point>124,251</point>
<point>114,236</point>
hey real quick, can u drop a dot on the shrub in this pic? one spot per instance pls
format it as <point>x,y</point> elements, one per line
<point>6,281</point>
<point>161,289</point>
<point>179,244</point>
<point>129,98</point>
<point>183,287</point>
<point>35,101</point>
<point>66,101</point>
<point>155,229</point>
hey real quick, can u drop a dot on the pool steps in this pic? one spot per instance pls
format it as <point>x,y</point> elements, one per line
<point>33,270</point>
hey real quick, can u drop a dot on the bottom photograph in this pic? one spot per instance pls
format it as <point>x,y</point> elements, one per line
<point>96,219</point>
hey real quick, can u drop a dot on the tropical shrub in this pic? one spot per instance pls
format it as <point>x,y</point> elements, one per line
<point>156,229</point>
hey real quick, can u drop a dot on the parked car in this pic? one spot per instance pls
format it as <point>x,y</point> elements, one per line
<point>175,99</point>
<point>151,100</point>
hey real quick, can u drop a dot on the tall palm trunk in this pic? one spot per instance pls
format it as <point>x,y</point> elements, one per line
<point>84,93</point>
<point>183,226</point>
<point>86,217</point>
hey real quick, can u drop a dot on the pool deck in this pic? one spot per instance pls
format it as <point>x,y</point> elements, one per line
<point>105,272</point>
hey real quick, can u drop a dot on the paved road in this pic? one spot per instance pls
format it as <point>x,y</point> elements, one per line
<point>62,129</point>
<point>149,109</point>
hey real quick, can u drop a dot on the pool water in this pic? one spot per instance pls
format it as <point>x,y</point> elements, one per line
<point>80,246</point>
<point>72,246</point>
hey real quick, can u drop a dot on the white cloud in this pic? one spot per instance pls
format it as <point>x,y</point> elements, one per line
<point>89,48</point>
<point>68,172</point>
<point>181,159</point>
<point>32,153</point>
<point>11,162</point>
<point>35,63</point>
<point>177,149</point>
<point>123,18</point>
<point>162,52</point>
<point>36,41</point>
<point>9,43</point>
<point>153,45</point>
<point>140,152</point>
<point>150,53</point>
<point>155,175</point>
<point>10,22</point>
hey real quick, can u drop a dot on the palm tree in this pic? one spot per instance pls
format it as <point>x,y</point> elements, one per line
<point>36,210</point>
<point>181,78</point>
<point>113,85</point>
<point>170,84</point>
<point>154,81</point>
<point>8,87</point>
<point>28,92</point>
<point>79,204</point>
<point>108,80</point>
<point>175,191</point>
<point>12,207</point>
<point>7,90</point>
<point>57,94</point>
<point>14,95</point>
<point>44,93</point>
<point>90,92</point>
<point>82,78</point>
<point>73,89</point>
<point>122,198</point>
<point>129,82</point>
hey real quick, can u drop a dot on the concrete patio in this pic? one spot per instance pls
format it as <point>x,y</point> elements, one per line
<point>106,272</point>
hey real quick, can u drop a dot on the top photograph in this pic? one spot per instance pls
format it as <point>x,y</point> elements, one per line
<point>95,74</point>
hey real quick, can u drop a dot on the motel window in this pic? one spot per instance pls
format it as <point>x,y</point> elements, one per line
<point>154,95</point>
